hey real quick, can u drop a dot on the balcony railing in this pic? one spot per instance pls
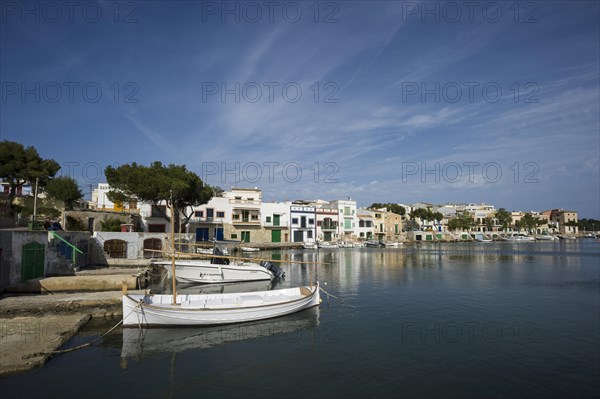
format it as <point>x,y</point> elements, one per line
<point>245,202</point>
<point>198,219</point>
<point>281,223</point>
<point>329,227</point>
<point>246,221</point>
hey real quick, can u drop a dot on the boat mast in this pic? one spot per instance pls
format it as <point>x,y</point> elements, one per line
<point>173,251</point>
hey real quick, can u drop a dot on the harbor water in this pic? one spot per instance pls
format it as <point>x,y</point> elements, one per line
<point>465,320</point>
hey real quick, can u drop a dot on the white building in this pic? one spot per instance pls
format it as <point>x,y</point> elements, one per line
<point>366,227</point>
<point>303,221</point>
<point>348,219</point>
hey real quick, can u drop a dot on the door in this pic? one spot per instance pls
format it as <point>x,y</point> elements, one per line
<point>276,221</point>
<point>298,236</point>
<point>276,236</point>
<point>245,236</point>
<point>303,222</point>
<point>32,261</point>
<point>201,233</point>
<point>327,236</point>
<point>219,233</point>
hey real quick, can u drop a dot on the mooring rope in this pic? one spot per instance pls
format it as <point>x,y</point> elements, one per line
<point>330,295</point>
<point>59,352</point>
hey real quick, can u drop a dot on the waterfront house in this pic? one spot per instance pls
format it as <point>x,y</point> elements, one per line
<point>365,229</point>
<point>564,220</point>
<point>303,221</point>
<point>327,223</point>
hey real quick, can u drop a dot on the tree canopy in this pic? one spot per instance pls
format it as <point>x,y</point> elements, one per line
<point>394,208</point>
<point>504,217</point>
<point>462,221</point>
<point>530,222</point>
<point>154,184</point>
<point>19,165</point>
<point>64,189</point>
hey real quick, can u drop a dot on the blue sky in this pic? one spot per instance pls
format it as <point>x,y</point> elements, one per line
<point>400,101</point>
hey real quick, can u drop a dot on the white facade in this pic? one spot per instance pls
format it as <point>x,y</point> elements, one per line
<point>365,229</point>
<point>327,223</point>
<point>303,222</point>
<point>348,219</point>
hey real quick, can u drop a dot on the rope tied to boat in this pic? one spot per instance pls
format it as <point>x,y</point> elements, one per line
<point>73,349</point>
<point>330,295</point>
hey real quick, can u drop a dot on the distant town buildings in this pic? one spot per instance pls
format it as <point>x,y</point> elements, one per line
<point>241,215</point>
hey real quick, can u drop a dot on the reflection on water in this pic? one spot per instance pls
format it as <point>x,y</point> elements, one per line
<point>140,342</point>
<point>431,320</point>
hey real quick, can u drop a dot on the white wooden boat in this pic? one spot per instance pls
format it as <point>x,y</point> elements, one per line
<point>372,244</point>
<point>209,251</point>
<point>225,288</point>
<point>545,237</point>
<point>205,272</point>
<point>249,249</point>
<point>309,244</point>
<point>326,245</point>
<point>519,237</point>
<point>390,244</point>
<point>213,309</point>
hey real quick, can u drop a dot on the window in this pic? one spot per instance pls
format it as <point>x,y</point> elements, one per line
<point>210,212</point>
<point>199,214</point>
<point>233,236</point>
<point>268,219</point>
<point>294,220</point>
<point>309,234</point>
<point>156,228</point>
<point>311,221</point>
<point>158,211</point>
<point>220,214</point>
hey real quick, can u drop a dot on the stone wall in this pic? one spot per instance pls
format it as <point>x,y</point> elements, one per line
<point>12,242</point>
<point>134,244</point>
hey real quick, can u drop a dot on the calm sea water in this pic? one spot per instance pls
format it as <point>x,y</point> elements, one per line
<point>435,320</point>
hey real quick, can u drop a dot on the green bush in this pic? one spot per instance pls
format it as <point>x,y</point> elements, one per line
<point>110,224</point>
<point>75,224</point>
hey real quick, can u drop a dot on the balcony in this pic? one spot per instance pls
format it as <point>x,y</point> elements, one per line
<point>247,221</point>
<point>281,223</point>
<point>244,202</point>
<point>197,219</point>
<point>329,227</point>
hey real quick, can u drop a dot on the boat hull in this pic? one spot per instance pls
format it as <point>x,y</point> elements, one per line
<point>201,310</point>
<point>208,273</point>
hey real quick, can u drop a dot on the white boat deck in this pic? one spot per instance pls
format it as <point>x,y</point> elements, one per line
<point>224,301</point>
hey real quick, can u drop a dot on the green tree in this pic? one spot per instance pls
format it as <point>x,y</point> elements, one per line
<point>75,224</point>
<point>489,223</point>
<point>110,224</point>
<point>154,184</point>
<point>394,208</point>
<point>20,165</point>
<point>530,222</point>
<point>504,217</point>
<point>64,189</point>
<point>461,221</point>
